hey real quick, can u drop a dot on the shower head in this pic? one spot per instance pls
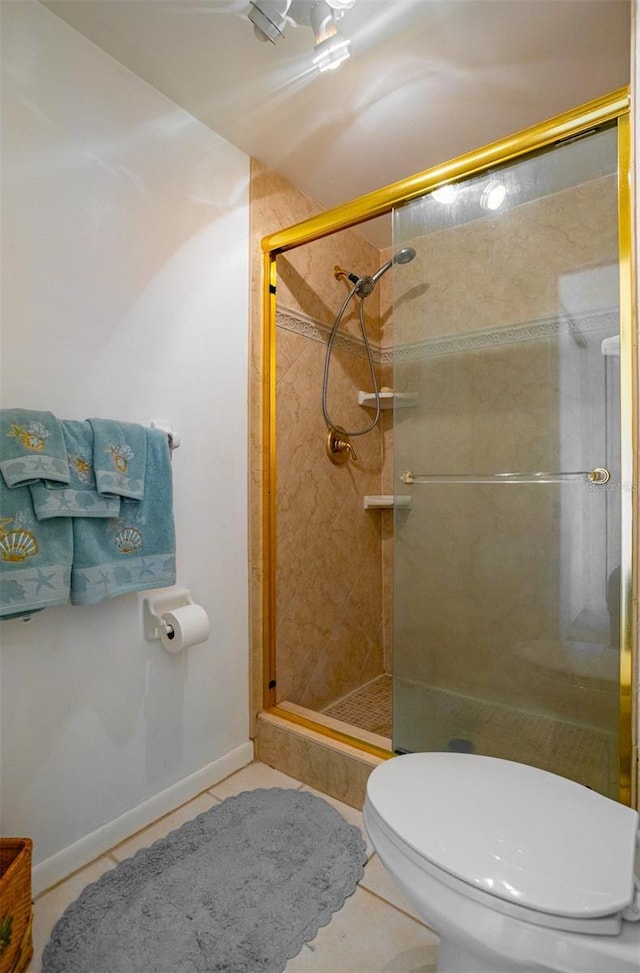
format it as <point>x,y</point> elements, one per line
<point>404,256</point>
<point>365,285</point>
<point>400,257</point>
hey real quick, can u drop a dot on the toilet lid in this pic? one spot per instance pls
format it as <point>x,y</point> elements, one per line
<point>513,831</point>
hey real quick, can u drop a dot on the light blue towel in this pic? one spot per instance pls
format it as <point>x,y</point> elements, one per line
<point>79,497</point>
<point>135,551</point>
<point>119,458</point>
<point>31,448</point>
<point>35,558</point>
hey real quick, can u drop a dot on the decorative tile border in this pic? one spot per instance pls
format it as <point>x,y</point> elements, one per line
<point>554,327</point>
<point>303,325</point>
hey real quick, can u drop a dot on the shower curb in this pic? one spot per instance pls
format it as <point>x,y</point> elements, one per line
<point>334,767</point>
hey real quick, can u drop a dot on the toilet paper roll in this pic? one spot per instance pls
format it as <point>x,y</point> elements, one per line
<point>184,627</point>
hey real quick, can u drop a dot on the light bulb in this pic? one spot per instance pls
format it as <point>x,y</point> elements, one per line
<point>445,194</point>
<point>494,195</point>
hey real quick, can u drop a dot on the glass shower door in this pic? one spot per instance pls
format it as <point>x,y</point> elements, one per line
<point>507,560</point>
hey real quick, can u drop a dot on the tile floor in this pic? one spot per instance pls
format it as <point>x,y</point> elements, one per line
<point>376,931</point>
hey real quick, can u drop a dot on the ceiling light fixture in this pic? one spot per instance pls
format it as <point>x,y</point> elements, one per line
<point>331,48</point>
<point>268,18</point>
<point>341,5</point>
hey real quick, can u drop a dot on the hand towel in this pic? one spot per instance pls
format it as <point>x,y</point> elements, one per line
<point>119,458</point>
<point>78,498</point>
<point>136,550</point>
<point>35,558</point>
<point>31,448</point>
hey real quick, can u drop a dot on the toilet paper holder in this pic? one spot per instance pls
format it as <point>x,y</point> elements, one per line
<point>154,607</point>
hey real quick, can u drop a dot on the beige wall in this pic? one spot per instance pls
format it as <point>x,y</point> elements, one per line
<point>329,583</point>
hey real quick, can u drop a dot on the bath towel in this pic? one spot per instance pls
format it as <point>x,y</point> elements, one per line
<point>119,458</point>
<point>79,497</point>
<point>136,550</point>
<point>31,448</point>
<point>35,558</point>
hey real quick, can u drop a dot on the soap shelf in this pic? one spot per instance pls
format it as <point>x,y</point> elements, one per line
<point>386,501</point>
<point>388,399</point>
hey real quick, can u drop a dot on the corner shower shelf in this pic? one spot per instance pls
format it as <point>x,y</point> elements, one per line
<point>388,399</point>
<point>386,501</point>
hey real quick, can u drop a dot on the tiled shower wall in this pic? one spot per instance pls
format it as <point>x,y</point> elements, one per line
<point>329,597</point>
<point>332,603</point>
<point>479,577</point>
<point>335,560</point>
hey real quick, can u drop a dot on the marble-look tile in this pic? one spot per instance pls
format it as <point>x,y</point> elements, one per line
<point>337,770</point>
<point>48,907</point>
<point>329,600</point>
<point>539,243</point>
<point>368,936</point>
<point>315,499</point>
<point>468,405</point>
<point>306,279</point>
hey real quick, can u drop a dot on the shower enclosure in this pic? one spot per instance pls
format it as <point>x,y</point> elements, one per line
<point>507,564</point>
<point>491,591</point>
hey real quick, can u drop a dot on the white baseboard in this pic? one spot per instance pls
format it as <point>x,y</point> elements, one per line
<point>59,866</point>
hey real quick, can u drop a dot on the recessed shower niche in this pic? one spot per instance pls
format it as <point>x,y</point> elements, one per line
<point>458,581</point>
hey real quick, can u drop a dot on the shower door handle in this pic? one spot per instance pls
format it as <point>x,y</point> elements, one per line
<point>597,476</point>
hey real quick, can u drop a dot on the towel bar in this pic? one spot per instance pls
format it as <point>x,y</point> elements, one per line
<point>172,435</point>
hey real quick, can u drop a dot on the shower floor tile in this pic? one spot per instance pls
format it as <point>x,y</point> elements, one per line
<point>368,707</point>
<point>437,720</point>
<point>431,718</point>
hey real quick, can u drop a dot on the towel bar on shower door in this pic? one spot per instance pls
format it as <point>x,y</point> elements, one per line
<point>597,476</point>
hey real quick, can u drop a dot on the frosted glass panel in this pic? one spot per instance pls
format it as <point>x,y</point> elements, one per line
<point>506,330</point>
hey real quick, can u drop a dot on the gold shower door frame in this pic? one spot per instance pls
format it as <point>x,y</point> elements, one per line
<point>613,107</point>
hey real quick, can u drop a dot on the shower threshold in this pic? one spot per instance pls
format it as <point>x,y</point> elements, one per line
<point>338,728</point>
<point>363,716</point>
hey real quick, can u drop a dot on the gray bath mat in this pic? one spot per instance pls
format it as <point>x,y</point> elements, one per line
<point>239,889</point>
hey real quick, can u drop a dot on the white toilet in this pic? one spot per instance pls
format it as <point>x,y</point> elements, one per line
<point>513,867</point>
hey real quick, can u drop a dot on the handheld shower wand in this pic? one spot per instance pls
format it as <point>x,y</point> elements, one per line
<point>338,446</point>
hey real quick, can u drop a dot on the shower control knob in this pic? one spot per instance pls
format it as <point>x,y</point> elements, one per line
<point>339,449</point>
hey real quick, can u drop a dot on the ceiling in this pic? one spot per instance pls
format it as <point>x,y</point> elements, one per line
<point>427,80</point>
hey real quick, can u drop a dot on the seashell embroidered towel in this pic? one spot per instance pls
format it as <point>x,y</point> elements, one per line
<point>79,497</point>
<point>119,458</point>
<point>32,448</point>
<point>135,550</point>
<point>35,557</point>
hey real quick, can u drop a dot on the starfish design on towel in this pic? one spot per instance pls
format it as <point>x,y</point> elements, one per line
<point>105,579</point>
<point>44,580</point>
<point>62,500</point>
<point>39,464</point>
<point>145,568</point>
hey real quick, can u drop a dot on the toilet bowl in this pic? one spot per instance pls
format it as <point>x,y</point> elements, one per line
<point>516,869</point>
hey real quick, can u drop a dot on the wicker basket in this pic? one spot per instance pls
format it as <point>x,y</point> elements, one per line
<point>16,947</point>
